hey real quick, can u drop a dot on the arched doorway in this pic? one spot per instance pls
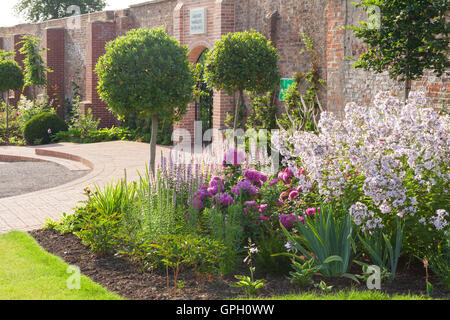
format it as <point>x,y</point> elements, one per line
<point>204,104</point>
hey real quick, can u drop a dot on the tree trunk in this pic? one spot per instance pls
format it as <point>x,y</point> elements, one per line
<point>7,114</point>
<point>236,111</point>
<point>153,143</point>
<point>407,88</point>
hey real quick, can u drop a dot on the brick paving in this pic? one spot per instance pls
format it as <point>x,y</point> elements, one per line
<point>108,161</point>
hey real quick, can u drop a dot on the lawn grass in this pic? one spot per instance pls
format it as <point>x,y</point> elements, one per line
<point>28,272</point>
<point>346,295</point>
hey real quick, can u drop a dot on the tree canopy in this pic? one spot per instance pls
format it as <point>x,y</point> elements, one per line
<point>242,61</point>
<point>42,10</point>
<point>146,72</point>
<point>412,36</point>
<point>11,75</point>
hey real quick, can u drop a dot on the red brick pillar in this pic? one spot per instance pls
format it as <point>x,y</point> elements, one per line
<point>335,54</point>
<point>219,21</point>
<point>54,41</point>
<point>99,33</point>
<point>223,103</point>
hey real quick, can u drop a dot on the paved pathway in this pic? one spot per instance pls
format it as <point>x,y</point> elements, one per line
<point>108,161</point>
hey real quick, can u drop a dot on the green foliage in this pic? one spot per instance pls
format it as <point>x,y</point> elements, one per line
<point>182,251</point>
<point>84,123</point>
<point>248,283</point>
<point>27,109</point>
<point>42,10</point>
<point>412,37</point>
<point>34,69</point>
<point>303,107</point>
<point>99,232</point>
<point>269,243</point>
<point>327,239</point>
<point>228,228</point>
<point>93,136</point>
<point>40,128</point>
<point>303,272</point>
<point>145,72</point>
<point>382,249</point>
<point>242,61</point>
<point>323,287</point>
<point>11,75</point>
<point>439,261</point>
<point>263,112</point>
<point>140,130</point>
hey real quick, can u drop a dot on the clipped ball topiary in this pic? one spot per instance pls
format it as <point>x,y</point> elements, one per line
<point>38,129</point>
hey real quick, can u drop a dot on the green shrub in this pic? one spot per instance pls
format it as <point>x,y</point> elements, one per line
<point>327,239</point>
<point>40,128</point>
<point>27,109</point>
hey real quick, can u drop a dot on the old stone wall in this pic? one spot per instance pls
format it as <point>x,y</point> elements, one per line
<point>347,84</point>
<point>75,44</point>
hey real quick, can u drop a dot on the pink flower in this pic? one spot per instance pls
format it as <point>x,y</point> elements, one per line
<point>312,211</point>
<point>252,204</point>
<point>262,207</point>
<point>263,218</point>
<point>273,182</point>
<point>293,194</point>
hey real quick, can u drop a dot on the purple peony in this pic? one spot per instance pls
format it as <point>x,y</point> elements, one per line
<point>236,190</point>
<point>287,220</point>
<point>255,177</point>
<point>225,199</point>
<point>273,182</point>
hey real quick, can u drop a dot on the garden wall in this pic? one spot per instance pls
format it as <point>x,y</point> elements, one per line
<point>75,44</point>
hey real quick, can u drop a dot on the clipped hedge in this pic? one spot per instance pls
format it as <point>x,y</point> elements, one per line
<point>40,128</point>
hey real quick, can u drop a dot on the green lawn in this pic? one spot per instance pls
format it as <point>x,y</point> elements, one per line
<point>350,295</point>
<point>28,272</point>
<point>345,295</point>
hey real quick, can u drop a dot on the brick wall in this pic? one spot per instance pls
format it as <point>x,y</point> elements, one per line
<point>54,57</point>
<point>82,41</point>
<point>347,84</point>
<point>99,33</point>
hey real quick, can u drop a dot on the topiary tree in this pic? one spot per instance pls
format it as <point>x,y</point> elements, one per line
<point>11,78</point>
<point>412,36</point>
<point>242,61</point>
<point>33,63</point>
<point>146,72</point>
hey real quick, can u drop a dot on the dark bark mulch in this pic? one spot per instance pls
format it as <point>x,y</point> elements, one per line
<point>126,279</point>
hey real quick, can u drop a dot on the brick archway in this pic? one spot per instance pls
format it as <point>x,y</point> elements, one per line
<point>197,48</point>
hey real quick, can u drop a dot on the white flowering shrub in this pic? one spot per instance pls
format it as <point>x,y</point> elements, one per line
<point>385,161</point>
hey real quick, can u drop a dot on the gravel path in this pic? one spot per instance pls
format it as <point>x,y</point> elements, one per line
<point>18,178</point>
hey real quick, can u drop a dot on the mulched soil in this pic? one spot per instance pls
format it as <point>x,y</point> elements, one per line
<point>126,279</point>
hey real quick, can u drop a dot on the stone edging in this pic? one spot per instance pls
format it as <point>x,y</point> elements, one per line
<point>63,155</point>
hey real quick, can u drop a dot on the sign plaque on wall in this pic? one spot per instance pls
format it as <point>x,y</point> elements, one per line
<point>198,21</point>
<point>284,85</point>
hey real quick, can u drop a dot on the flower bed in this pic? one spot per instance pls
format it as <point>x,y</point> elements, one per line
<point>354,201</point>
